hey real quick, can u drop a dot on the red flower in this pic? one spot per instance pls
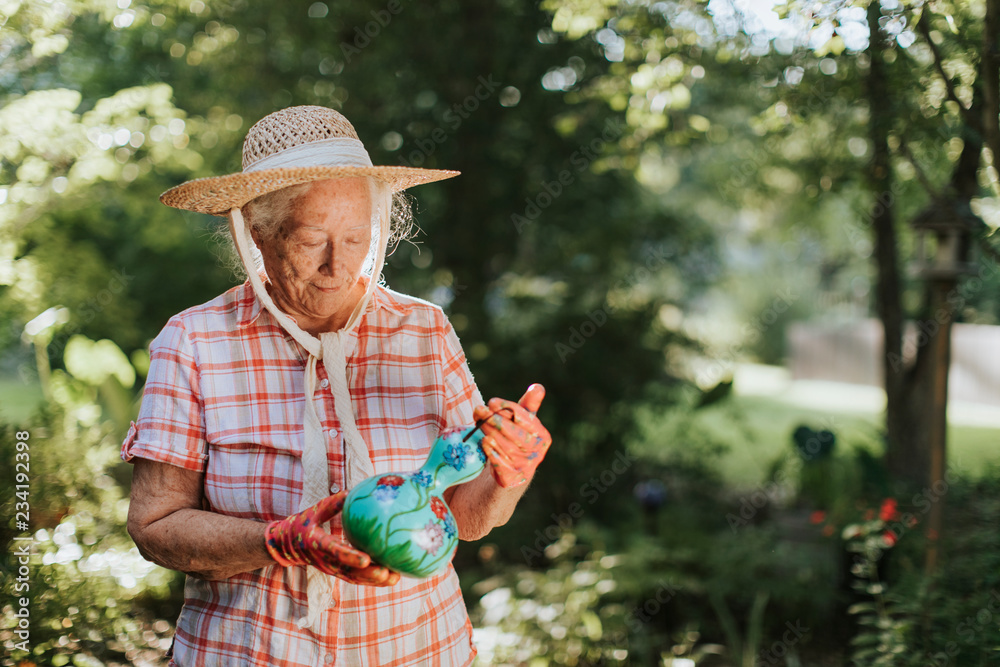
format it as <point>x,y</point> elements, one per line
<point>911,521</point>
<point>439,508</point>
<point>888,510</point>
<point>827,530</point>
<point>889,538</point>
<point>391,480</point>
<point>817,517</point>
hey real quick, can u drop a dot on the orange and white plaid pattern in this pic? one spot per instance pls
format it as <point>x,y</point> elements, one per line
<point>225,395</point>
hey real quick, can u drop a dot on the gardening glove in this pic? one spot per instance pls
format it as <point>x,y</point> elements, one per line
<point>300,540</point>
<point>515,441</point>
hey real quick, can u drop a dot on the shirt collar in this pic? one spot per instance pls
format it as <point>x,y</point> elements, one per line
<point>249,307</point>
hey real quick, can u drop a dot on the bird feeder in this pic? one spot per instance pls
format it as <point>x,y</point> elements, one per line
<point>944,233</point>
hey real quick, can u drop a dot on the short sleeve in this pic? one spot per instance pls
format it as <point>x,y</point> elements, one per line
<point>171,423</point>
<point>461,393</point>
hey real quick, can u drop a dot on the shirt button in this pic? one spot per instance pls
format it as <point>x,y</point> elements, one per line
<point>329,657</point>
<point>335,488</point>
<point>324,383</point>
<point>333,433</point>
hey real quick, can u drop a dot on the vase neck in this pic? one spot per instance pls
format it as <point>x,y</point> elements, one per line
<point>455,458</point>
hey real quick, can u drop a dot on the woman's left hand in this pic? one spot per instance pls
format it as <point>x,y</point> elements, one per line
<point>514,441</point>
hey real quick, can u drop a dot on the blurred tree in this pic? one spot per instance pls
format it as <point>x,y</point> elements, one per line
<point>850,106</point>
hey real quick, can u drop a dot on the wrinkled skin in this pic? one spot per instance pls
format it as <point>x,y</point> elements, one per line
<point>314,258</point>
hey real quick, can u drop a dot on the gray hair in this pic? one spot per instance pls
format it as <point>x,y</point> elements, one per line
<point>267,213</point>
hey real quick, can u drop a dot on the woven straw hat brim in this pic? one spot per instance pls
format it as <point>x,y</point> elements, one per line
<point>216,195</point>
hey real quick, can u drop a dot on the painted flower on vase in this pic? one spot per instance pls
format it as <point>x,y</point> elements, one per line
<point>456,454</point>
<point>430,539</point>
<point>450,529</point>
<point>387,488</point>
<point>391,480</point>
<point>438,507</point>
<point>422,477</point>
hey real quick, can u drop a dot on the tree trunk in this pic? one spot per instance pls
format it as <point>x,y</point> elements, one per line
<point>906,447</point>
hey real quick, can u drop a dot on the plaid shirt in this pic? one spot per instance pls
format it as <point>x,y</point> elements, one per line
<point>225,396</point>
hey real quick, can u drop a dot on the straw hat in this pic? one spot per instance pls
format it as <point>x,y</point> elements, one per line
<point>288,147</point>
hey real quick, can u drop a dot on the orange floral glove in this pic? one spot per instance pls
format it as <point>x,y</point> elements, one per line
<point>300,540</point>
<point>515,441</point>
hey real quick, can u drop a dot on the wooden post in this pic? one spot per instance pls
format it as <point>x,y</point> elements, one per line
<point>941,312</point>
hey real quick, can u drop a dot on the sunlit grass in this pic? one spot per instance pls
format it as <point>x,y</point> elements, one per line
<point>757,420</point>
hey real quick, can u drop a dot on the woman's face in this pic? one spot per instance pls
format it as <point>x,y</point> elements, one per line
<point>315,258</point>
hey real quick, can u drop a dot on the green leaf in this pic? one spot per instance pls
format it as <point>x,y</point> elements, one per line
<point>592,624</point>
<point>95,361</point>
<point>860,607</point>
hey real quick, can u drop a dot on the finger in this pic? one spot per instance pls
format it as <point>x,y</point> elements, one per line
<point>504,471</point>
<point>508,476</point>
<point>481,415</point>
<point>501,465</point>
<point>532,399</point>
<point>524,440</point>
<point>517,455</point>
<point>329,507</point>
<point>524,435</point>
<point>334,550</point>
<point>377,575</point>
<point>515,412</point>
<point>495,453</point>
<point>374,575</point>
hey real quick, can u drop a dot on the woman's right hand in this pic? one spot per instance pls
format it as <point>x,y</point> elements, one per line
<point>300,540</point>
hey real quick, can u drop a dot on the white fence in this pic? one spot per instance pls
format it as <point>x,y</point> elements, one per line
<point>852,352</point>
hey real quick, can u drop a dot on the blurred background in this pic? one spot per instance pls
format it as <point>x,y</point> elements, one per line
<point>749,248</point>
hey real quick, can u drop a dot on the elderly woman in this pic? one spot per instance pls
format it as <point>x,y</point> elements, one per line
<point>265,405</point>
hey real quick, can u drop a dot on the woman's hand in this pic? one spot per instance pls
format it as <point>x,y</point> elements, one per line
<point>515,441</point>
<point>300,540</point>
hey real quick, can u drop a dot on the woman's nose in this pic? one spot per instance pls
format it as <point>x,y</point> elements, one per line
<point>330,260</point>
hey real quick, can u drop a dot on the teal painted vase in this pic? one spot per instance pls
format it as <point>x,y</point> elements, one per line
<point>401,520</point>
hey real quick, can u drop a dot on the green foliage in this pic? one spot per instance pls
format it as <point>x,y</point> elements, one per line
<point>91,595</point>
<point>886,622</point>
<point>632,173</point>
<point>556,617</point>
<point>908,618</point>
<point>684,582</point>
